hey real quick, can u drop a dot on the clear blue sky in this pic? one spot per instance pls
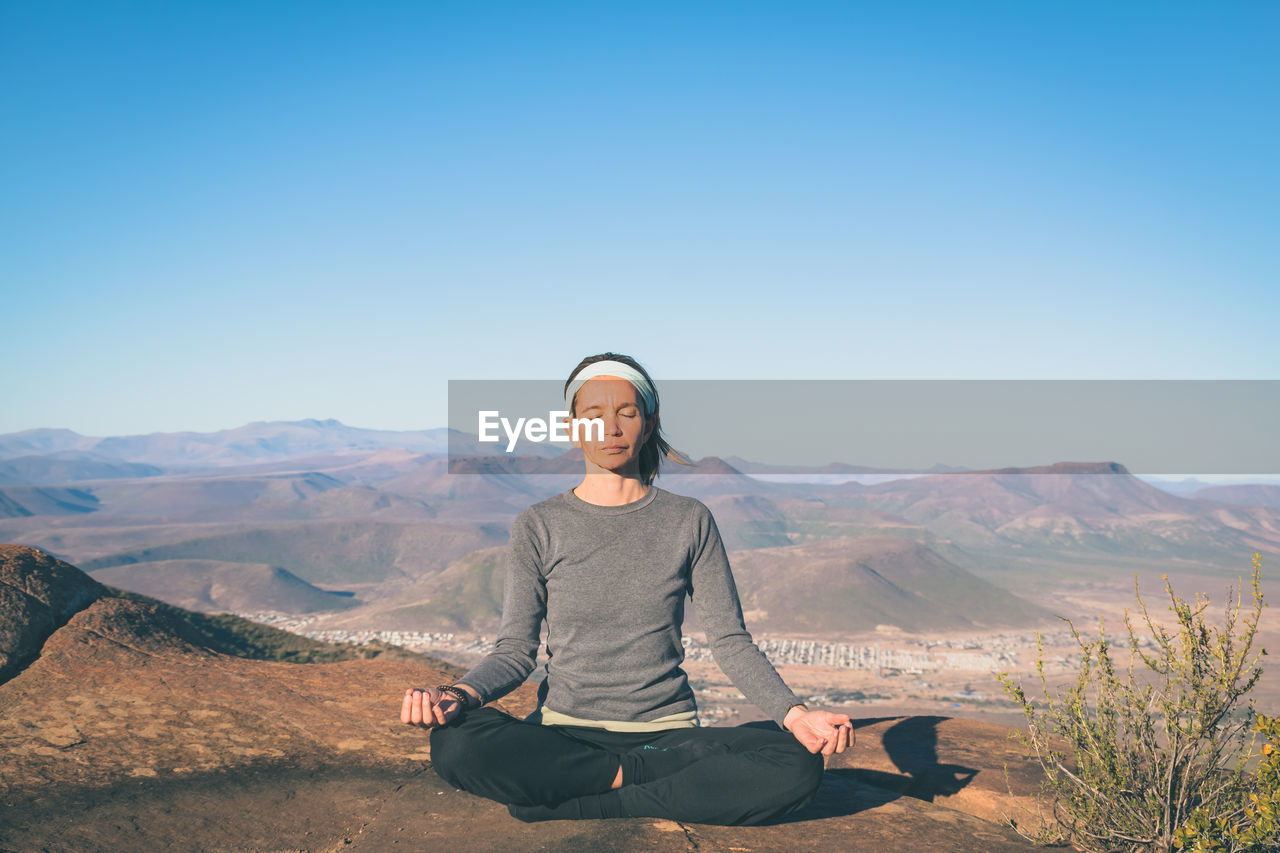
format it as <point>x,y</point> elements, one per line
<point>219,212</point>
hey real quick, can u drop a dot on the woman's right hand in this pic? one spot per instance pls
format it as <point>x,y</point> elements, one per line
<point>428,708</point>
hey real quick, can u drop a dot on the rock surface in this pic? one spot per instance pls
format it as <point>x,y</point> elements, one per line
<point>38,594</point>
<point>124,734</point>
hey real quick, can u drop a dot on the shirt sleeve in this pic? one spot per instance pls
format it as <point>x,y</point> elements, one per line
<point>524,606</point>
<point>715,596</point>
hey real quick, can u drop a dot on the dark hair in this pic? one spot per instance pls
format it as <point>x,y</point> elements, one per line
<point>656,446</point>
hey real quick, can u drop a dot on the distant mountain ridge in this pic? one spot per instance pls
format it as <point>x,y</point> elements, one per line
<point>1245,494</point>
<point>213,586</point>
<point>20,501</point>
<point>68,466</point>
<point>394,516</point>
<point>295,509</point>
<point>255,442</point>
<point>748,467</point>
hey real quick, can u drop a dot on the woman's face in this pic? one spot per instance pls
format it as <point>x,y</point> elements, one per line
<point>616,402</point>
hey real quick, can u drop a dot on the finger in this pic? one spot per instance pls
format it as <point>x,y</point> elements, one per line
<point>415,713</point>
<point>406,707</point>
<point>842,739</point>
<point>428,710</point>
<point>431,710</point>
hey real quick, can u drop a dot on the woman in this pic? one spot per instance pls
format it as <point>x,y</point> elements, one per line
<point>608,565</point>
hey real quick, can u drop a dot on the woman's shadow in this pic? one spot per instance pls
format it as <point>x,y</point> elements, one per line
<point>912,746</point>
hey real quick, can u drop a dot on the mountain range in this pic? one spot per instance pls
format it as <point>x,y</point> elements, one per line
<point>315,516</point>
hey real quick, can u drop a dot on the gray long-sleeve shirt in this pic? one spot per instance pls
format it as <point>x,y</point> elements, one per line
<point>611,583</point>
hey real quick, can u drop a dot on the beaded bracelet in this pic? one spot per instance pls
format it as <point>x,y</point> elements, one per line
<point>458,693</point>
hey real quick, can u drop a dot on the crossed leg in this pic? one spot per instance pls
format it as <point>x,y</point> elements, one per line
<point>495,755</point>
<point>737,775</point>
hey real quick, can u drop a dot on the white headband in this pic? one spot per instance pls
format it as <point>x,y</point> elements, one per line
<point>643,386</point>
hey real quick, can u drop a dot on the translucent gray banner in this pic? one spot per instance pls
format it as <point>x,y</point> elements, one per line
<point>1150,427</point>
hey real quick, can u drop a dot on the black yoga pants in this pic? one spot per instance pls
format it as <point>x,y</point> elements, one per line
<point>733,776</point>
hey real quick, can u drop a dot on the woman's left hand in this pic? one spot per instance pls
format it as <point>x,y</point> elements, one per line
<point>820,731</point>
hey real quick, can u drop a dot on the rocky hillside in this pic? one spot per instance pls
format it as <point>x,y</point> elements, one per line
<point>129,726</point>
<point>857,583</point>
<point>210,585</point>
<point>38,594</point>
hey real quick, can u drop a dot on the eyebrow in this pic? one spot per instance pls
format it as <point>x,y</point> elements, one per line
<point>601,406</point>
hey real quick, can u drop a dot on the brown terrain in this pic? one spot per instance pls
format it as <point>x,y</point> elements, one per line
<point>126,728</point>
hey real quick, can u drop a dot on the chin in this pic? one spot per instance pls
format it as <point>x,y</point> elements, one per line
<point>613,463</point>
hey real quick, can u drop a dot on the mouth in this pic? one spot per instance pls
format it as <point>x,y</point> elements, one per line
<point>614,448</point>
